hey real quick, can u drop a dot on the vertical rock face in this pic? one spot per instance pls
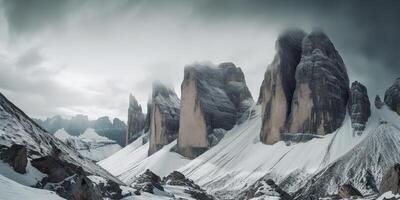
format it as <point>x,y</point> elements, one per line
<point>359,107</point>
<point>212,99</point>
<point>322,88</point>
<point>136,120</point>
<point>305,88</point>
<point>164,117</point>
<point>279,82</point>
<point>392,96</point>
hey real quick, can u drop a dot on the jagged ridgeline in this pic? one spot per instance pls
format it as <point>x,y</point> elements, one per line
<point>213,99</point>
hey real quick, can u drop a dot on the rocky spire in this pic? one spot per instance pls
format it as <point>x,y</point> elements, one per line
<point>392,96</point>
<point>213,98</point>
<point>163,117</point>
<point>359,107</point>
<point>278,86</point>
<point>305,88</point>
<point>322,88</point>
<point>136,120</point>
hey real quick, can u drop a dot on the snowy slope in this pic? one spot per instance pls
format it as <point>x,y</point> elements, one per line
<point>365,164</point>
<point>240,158</point>
<point>11,190</point>
<point>17,128</point>
<point>90,144</point>
<point>133,160</point>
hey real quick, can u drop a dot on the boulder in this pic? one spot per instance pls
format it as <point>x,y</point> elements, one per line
<point>279,83</point>
<point>16,156</point>
<point>378,102</point>
<point>68,180</point>
<point>322,88</point>
<point>136,120</point>
<point>164,117</point>
<point>265,189</point>
<point>147,182</point>
<point>178,179</point>
<point>359,107</point>
<point>213,97</point>
<point>391,180</point>
<point>347,191</point>
<point>392,96</point>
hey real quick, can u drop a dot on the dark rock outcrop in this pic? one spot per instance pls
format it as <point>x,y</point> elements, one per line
<point>322,88</point>
<point>136,120</point>
<point>348,191</point>
<point>378,102</point>
<point>392,96</point>
<point>265,188</point>
<point>212,98</point>
<point>178,179</point>
<point>68,180</point>
<point>359,107</point>
<point>16,156</point>
<point>147,181</point>
<point>278,86</point>
<point>164,117</point>
<point>391,180</point>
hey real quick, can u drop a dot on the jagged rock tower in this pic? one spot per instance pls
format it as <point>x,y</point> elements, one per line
<point>213,98</point>
<point>359,107</point>
<point>392,96</point>
<point>305,89</point>
<point>278,86</point>
<point>163,118</point>
<point>136,120</point>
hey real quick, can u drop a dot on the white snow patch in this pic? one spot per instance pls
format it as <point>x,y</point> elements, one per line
<point>11,190</point>
<point>30,178</point>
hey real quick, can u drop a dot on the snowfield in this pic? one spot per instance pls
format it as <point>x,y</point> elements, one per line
<point>240,159</point>
<point>11,190</point>
<point>132,161</point>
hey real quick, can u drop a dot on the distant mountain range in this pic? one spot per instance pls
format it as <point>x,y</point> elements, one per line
<point>77,125</point>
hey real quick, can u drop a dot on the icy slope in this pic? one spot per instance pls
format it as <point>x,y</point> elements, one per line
<point>17,128</point>
<point>11,190</point>
<point>365,164</point>
<point>90,144</point>
<point>126,158</point>
<point>132,161</point>
<point>240,158</point>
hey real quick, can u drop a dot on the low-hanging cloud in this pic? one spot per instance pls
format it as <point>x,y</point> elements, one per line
<point>112,48</point>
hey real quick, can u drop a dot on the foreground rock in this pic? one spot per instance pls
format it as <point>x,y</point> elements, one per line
<point>148,182</point>
<point>136,120</point>
<point>322,88</point>
<point>265,189</point>
<point>164,117</point>
<point>348,191</point>
<point>391,180</point>
<point>213,98</point>
<point>359,107</point>
<point>16,156</point>
<point>392,96</point>
<point>68,180</point>
<point>178,179</point>
<point>278,86</point>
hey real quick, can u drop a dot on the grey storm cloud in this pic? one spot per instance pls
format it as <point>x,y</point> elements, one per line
<point>364,32</point>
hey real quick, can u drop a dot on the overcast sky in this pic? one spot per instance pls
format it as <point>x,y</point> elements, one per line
<point>70,57</point>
